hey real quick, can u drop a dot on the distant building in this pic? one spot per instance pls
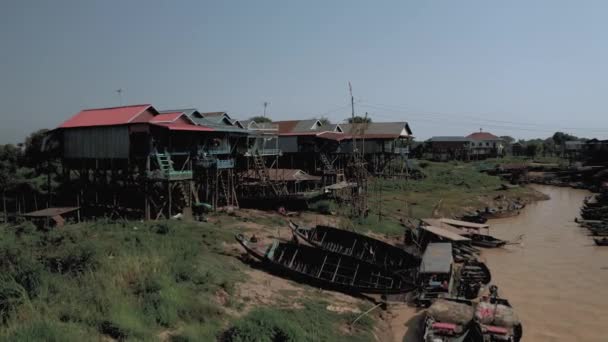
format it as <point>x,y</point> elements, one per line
<point>485,145</point>
<point>314,147</point>
<point>573,149</point>
<point>449,148</point>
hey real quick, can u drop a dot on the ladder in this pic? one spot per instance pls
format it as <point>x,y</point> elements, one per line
<point>260,166</point>
<point>164,163</point>
<point>224,189</point>
<point>262,171</point>
<point>326,163</point>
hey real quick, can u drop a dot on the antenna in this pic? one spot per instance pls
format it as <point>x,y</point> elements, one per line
<point>352,101</point>
<point>266,103</point>
<point>119,92</point>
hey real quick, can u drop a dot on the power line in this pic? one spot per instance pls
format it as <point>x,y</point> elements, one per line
<point>476,120</point>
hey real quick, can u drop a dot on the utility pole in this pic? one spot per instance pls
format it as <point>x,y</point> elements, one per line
<point>266,103</point>
<point>119,92</point>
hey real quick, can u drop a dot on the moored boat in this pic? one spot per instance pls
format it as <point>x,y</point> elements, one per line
<point>325,269</point>
<point>450,320</point>
<point>483,240</point>
<point>356,245</point>
<point>473,275</point>
<point>496,319</point>
<point>601,242</point>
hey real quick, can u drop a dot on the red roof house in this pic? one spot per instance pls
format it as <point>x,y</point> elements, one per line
<point>111,116</point>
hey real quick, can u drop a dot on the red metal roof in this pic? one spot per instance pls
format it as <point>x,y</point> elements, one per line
<point>286,126</point>
<point>108,116</point>
<point>166,117</point>
<point>482,136</point>
<point>179,126</point>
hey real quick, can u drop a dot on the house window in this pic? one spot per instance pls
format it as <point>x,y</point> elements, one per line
<point>487,144</point>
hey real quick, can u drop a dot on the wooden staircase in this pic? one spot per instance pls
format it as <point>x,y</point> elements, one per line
<point>164,163</point>
<point>262,171</point>
<point>327,164</point>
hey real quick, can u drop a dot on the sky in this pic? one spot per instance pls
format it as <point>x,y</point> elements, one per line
<point>519,68</point>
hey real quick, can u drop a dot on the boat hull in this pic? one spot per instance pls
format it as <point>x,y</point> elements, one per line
<point>356,245</point>
<point>326,269</point>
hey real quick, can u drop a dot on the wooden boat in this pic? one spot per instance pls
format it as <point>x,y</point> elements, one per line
<point>356,245</point>
<point>472,275</point>
<point>483,240</point>
<point>601,242</point>
<point>474,218</point>
<point>450,319</point>
<point>326,269</point>
<point>490,323</point>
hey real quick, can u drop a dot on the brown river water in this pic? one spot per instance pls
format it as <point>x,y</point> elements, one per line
<point>557,280</point>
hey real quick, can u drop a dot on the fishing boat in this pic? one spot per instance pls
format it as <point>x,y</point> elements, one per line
<point>601,242</point>
<point>356,245</point>
<point>483,240</point>
<point>325,269</point>
<point>450,320</point>
<point>497,320</point>
<point>473,274</point>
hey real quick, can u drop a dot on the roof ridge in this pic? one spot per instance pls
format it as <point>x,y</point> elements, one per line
<point>127,106</point>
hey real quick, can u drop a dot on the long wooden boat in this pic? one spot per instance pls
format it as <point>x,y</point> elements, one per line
<point>326,269</point>
<point>601,242</point>
<point>450,320</point>
<point>483,240</point>
<point>488,329</point>
<point>356,245</point>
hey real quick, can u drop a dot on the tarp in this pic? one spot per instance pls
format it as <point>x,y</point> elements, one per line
<point>437,258</point>
<point>449,311</point>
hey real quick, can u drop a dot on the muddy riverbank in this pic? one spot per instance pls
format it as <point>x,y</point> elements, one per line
<point>557,278</point>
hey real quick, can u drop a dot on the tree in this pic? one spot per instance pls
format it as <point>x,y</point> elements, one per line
<point>507,139</point>
<point>549,147</point>
<point>360,119</point>
<point>260,119</point>
<point>533,147</point>
<point>324,121</point>
<point>560,138</point>
<point>33,154</point>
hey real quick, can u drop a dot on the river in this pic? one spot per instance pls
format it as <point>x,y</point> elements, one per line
<point>557,280</point>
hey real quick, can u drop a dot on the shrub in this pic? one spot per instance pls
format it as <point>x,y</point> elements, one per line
<point>11,297</point>
<point>41,330</point>
<point>74,259</point>
<point>263,325</point>
<point>323,207</point>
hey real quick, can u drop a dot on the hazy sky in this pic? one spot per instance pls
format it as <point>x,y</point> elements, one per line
<point>522,68</point>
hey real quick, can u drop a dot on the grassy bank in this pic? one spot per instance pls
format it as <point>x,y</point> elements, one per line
<point>168,281</point>
<point>180,281</point>
<point>449,189</point>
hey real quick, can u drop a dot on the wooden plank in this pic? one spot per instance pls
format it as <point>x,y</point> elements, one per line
<point>337,268</point>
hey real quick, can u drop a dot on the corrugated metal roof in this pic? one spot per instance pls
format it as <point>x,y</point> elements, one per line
<point>284,175</point>
<point>49,212</point>
<point>444,233</point>
<point>108,116</point>
<point>437,258</point>
<point>166,117</point>
<point>297,126</point>
<point>449,139</point>
<point>179,126</point>
<point>378,129</point>
<point>482,136</point>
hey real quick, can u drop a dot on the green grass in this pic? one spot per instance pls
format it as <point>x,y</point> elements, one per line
<point>451,188</point>
<point>311,323</point>
<point>127,280</point>
<point>136,281</point>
